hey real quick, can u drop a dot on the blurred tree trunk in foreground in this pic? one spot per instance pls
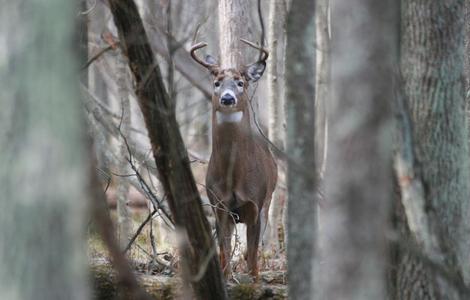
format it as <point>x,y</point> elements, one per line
<point>42,155</point>
<point>467,65</point>
<point>301,173</point>
<point>358,178</point>
<point>432,60</point>
<point>200,265</point>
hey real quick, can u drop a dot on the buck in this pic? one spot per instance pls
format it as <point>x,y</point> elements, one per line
<point>242,172</point>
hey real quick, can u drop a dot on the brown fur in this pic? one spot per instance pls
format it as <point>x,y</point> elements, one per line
<point>242,172</point>
<point>241,178</point>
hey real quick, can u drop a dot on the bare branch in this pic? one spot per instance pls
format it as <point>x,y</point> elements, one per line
<point>96,56</point>
<point>139,230</point>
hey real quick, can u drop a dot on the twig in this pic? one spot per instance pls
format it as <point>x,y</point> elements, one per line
<point>152,236</point>
<point>150,195</point>
<point>139,230</point>
<point>275,150</point>
<point>96,56</point>
<point>105,227</point>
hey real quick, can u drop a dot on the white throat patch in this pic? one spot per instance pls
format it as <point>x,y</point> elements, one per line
<point>234,117</point>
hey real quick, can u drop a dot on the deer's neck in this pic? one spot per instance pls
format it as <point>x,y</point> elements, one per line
<point>231,136</point>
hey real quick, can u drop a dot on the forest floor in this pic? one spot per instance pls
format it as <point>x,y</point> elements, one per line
<point>160,276</point>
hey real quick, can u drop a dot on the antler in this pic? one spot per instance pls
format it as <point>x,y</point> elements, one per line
<point>194,56</point>
<point>264,52</point>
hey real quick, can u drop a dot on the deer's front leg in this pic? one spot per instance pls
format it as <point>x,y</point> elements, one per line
<point>253,232</point>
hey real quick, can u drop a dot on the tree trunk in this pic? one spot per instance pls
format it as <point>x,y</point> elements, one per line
<point>323,79</point>
<point>171,158</point>
<point>300,109</point>
<point>357,180</point>
<point>233,20</point>
<point>432,47</point>
<point>467,64</point>
<point>234,23</point>
<point>276,39</point>
<point>96,84</point>
<point>124,221</point>
<point>43,160</point>
<point>81,28</point>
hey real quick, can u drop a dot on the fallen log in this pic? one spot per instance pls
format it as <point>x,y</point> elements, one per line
<point>105,286</point>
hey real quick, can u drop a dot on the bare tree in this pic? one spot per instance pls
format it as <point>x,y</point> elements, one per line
<point>301,174</point>
<point>199,260</point>
<point>42,155</point>
<point>357,180</point>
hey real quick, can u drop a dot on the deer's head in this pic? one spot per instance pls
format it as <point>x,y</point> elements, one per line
<point>230,85</point>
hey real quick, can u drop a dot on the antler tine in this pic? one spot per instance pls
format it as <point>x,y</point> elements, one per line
<point>194,56</point>
<point>253,45</point>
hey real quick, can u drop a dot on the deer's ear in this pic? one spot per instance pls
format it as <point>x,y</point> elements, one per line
<point>210,60</point>
<point>254,71</point>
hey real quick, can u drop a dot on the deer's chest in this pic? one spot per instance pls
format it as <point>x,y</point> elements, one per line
<point>239,173</point>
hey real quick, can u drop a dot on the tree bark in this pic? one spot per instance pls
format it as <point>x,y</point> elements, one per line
<point>300,109</point>
<point>233,20</point>
<point>467,64</point>
<point>124,222</point>
<point>323,80</point>
<point>43,159</point>
<point>432,60</point>
<point>234,23</point>
<point>96,84</point>
<point>170,155</point>
<point>357,180</point>
<point>277,41</point>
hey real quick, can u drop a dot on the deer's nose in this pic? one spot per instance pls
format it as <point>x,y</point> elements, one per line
<point>227,99</point>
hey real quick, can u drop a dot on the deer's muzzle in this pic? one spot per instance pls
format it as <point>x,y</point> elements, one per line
<point>228,99</point>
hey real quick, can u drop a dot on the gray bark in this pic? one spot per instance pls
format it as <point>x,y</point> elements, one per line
<point>124,221</point>
<point>357,180</point>
<point>233,18</point>
<point>96,83</point>
<point>432,64</point>
<point>323,78</point>
<point>300,109</point>
<point>276,40</point>
<point>467,64</point>
<point>43,160</point>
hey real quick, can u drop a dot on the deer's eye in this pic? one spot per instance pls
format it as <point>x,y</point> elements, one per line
<point>240,83</point>
<point>217,83</point>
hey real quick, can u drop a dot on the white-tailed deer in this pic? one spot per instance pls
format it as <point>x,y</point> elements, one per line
<point>242,172</point>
